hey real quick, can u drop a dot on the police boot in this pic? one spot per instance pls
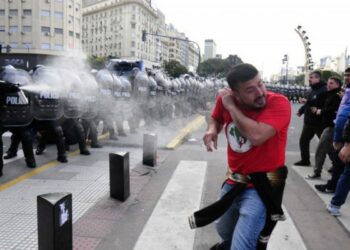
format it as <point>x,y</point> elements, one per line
<point>84,152</point>
<point>39,150</point>
<point>10,155</point>
<point>96,145</point>
<point>62,158</point>
<point>31,163</point>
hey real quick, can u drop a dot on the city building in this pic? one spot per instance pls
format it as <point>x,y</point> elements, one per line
<point>114,28</point>
<point>33,31</point>
<point>209,49</point>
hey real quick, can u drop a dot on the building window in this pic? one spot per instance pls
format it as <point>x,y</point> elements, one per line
<point>45,46</point>
<point>71,19</point>
<point>13,28</point>
<point>13,12</point>
<point>58,31</point>
<point>14,45</point>
<point>132,53</point>
<point>2,12</point>
<point>27,29</point>
<point>45,13</point>
<point>77,20</point>
<point>59,1</point>
<point>2,28</point>
<point>27,12</point>
<point>58,47</point>
<point>58,14</point>
<point>133,25</point>
<point>27,45</point>
<point>77,35</point>
<point>71,33</point>
<point>132,43</point>
<point>45,29</point>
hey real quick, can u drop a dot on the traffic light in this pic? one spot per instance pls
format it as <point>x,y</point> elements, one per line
<point>144,35</point>
<point>8,49</point>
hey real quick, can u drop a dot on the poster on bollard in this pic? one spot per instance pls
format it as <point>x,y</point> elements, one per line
<point>63,214</point>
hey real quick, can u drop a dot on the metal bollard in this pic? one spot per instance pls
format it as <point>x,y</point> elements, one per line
<point>55,221</point>
<point>119,175</point>
<point>149,150</point>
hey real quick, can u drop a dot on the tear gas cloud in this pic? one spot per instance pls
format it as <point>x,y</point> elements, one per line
<point>150,99</point>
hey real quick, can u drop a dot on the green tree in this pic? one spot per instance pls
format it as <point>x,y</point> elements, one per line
<point>218,67</point>
<point>174,68</point>
<point>299,79</point>
<point>328,73</point>
<point>96,62</point>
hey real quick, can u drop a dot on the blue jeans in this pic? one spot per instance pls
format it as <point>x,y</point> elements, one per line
<point>343,187</point>
<point>240,226</point>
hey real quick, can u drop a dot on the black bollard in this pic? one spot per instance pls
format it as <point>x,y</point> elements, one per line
<point>55,221</point>
<point>149,150</point>
<point>119,176</point>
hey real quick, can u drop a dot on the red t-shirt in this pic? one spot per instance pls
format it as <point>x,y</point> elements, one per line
<point>245,158</point>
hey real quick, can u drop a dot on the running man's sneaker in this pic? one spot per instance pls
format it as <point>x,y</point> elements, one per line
<point>313,176</point>
<point>324,188</point>
<point>333,210</point>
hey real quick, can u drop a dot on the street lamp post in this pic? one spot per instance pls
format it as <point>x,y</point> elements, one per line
<point>308,62</point>
<point>285,61</point>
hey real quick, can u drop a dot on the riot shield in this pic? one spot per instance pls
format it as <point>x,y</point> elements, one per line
<point>47,94</point>
<point>105,80</point>
<point>74,103</point>
<point>17,110</point>
<point>90,92</point>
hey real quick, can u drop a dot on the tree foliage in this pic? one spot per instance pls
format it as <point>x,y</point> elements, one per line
<point>174,68</point>
<point>218,67</point>
<point>96,62</point>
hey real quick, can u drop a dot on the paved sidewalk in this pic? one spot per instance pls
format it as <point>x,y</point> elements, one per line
<point>87,180</point>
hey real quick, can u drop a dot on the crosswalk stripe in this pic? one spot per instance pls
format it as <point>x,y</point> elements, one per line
<point>286,236</point>
<point>168,227</point>
<point>19,156</point>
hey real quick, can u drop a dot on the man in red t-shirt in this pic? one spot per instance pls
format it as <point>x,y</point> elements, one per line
<point>256,124</point>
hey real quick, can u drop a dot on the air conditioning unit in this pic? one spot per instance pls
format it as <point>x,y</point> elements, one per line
<point>48,1</point>
<point>23,16</point>
<point>10,16</point>
<point>47,34</point>
<point>23,1</point>
<point>23,33</point>
<point>10,33</point>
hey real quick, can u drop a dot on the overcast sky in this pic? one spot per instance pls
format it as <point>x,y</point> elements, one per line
<point>262,31</point>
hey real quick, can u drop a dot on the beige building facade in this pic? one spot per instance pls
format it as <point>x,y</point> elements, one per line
<point>49,27</point>
<point>114,28</point>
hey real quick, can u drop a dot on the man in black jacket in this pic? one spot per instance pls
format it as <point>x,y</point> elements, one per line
<point>4,88</point>
<point>312,122</point>
<point>328,114</point>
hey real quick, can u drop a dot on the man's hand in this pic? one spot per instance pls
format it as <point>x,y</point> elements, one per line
<point>344,154</point>
<point>227,98</point>
<point>302,100</point>
<point>210,140</point>
<point>337,145</point>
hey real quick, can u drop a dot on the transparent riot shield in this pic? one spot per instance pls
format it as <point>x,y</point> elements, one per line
<point>47,94</point>
<point>90,93</point>
<point>17,110</point>
<point>74,102</point>
<point>105,80</point>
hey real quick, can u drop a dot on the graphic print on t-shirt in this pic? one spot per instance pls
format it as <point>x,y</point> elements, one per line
<point>238,143</point>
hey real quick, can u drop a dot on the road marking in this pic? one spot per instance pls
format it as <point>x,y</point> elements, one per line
<point>38,170</point>
<point>193,125</point>
<point>286,236</point>
<point>168,226</point>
